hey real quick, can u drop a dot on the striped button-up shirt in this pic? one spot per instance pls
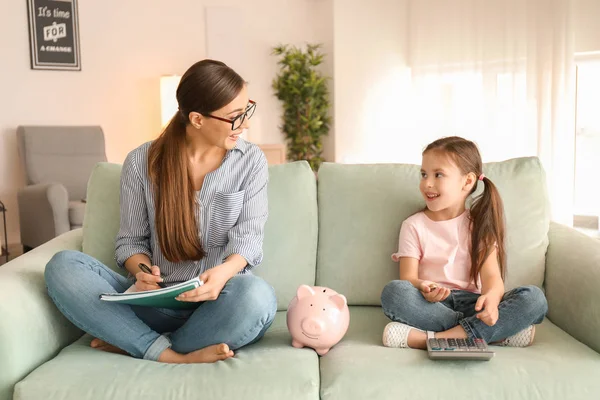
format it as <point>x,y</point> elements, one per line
<point>232,209</point>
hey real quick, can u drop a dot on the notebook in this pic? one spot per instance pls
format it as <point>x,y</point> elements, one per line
<point>160,298</point>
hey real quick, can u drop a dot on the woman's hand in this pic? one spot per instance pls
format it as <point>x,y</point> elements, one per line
<point>489,315</point>
<point>214,281</point>
<point>145,281</point>
<point>433,292</point>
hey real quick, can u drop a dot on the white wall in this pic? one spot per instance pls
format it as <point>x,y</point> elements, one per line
<point>323,10</point>
<point>125,47</point>
<point>369,65</point>
<point>587,29</point>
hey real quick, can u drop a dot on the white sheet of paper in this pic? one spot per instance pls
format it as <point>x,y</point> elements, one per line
<point>131,289</point>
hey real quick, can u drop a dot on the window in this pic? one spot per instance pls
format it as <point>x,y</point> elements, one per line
<point>587,150</point>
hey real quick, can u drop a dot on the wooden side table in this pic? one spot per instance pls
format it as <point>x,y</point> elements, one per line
<point>4,247</point>
<point>275,153</point>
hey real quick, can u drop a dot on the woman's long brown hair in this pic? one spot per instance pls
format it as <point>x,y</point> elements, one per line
<point>204,88</point>
<point>487,212</point>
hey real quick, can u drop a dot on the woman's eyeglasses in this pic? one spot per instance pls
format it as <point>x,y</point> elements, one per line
<point>239,120</point>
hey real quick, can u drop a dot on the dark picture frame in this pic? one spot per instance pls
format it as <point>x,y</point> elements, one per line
<point>54,35</point>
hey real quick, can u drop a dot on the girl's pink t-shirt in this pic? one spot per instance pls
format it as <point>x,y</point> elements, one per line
<point>442,248</point>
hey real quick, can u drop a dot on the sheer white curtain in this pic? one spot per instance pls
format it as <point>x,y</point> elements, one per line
<point>499,72</point>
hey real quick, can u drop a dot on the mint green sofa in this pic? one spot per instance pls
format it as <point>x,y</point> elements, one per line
<point>337,233</point>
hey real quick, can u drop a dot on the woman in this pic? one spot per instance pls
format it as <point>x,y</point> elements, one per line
<point>193,203</point>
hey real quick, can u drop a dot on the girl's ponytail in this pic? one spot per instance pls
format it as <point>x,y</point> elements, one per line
<point>487,229</point>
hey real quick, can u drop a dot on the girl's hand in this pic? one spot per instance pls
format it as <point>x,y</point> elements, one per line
<point>144,281</point>
<point>433,292</point>
<point>489,315</point>
<point>214,281</point>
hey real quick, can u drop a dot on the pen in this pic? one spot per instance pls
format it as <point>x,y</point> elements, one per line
<point>147,270</point>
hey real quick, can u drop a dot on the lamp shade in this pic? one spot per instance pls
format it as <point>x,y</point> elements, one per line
<point>168,100</point>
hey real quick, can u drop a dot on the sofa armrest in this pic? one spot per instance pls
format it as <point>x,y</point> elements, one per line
<point>32,330</point>
<point>43,212</point>
<point>572,282</point>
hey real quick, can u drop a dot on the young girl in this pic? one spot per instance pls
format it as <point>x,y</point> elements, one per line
<point>452,261</point>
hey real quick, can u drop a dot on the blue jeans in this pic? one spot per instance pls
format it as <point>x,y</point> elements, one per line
<point>518,309</point>
<point>239,316</point>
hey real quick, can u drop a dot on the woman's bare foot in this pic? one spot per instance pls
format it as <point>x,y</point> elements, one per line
<point>208,354</point>
<point>104,346</point>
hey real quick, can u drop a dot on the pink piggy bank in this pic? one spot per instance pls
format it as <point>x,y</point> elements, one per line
<point>317,317</point>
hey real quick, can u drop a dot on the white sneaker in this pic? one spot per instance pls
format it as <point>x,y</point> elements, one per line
<point>395,334</point>
<point>521,339</point>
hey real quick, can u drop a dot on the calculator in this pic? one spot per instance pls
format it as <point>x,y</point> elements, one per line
<point>458,349</point>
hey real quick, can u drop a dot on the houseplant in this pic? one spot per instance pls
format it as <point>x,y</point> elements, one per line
<point>302,88</point>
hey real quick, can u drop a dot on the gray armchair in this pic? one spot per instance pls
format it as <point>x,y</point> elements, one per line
<point>58,161</point>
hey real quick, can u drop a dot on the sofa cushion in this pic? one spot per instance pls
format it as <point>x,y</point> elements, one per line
<point>359,367</point>
<point>290,244</point>
<point>101,221</point>
<point>269,369</point>
<point>291,232</point>
<point>76,213</point>
<point>361,208</point>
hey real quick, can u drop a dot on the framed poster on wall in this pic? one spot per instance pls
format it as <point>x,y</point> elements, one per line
<point>54,34</point>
